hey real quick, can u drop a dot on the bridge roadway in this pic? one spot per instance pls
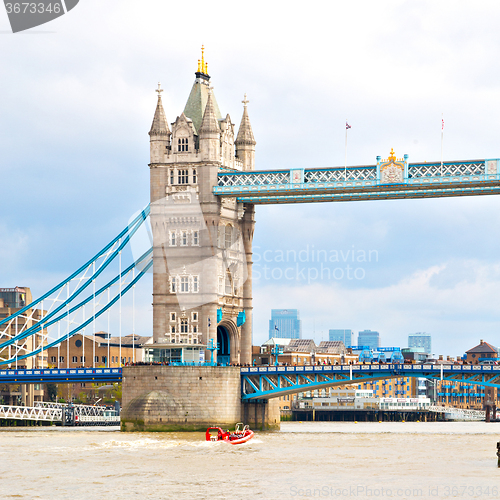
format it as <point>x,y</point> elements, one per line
<point>60,375</point>
<point>274,381</point>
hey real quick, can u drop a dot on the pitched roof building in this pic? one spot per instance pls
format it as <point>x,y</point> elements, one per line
<point>332,347</point>
<point>482,352</point>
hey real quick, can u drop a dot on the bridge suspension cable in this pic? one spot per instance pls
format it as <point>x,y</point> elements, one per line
<point>30,330</point>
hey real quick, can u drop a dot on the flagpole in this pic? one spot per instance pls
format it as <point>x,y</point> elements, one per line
<point>442,138</point>
<point>345,158</point>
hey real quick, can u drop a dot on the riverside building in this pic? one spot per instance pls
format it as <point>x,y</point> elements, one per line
<point>11,301</point>
<point>469,396</point>
<point>99,350</point>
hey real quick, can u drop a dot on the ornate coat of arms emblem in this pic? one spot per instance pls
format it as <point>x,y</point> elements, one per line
<point>392,170</point>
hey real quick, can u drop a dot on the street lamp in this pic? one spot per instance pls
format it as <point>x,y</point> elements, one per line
<point>211,346</point>
<point>276,350</point>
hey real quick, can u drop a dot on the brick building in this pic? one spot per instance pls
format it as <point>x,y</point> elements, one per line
<point>11,301</point>
<point>462,395</point>
<point>99,350</point>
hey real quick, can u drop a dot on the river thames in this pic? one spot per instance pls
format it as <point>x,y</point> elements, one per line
<point>341,460</point>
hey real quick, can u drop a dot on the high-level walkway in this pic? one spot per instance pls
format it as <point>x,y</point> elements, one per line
<point>411,180</point>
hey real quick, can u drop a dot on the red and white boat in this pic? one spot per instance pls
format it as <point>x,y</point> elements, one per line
<point>241,434</point>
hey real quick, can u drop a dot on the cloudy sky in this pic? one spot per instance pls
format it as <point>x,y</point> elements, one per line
<point>77,100</point>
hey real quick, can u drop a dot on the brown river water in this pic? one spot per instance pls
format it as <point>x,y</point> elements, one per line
<point>341,460</point>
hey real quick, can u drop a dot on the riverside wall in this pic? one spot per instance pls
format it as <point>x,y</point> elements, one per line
<point>189,398</point>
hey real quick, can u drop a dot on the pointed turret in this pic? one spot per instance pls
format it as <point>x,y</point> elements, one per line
<point>227,151</point>
<point>245,141</point>
<point>209,132</point>
<point>210,123</point>
<point>160,133</point>
<point>197,100</point>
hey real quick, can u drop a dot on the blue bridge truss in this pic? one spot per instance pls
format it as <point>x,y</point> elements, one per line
<point>417,180</point>
<point>272,382</point>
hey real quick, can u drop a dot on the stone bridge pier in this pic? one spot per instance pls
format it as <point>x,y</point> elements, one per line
<point>190,398</point>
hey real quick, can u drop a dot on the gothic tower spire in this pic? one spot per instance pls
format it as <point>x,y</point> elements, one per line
<point>209,132</point>
<point>159,134</point>
<point>245,141</point>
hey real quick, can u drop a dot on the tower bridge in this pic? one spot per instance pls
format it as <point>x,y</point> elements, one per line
<point>203,190</point>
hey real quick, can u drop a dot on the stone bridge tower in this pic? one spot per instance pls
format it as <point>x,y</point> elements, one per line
<point>202,244</point>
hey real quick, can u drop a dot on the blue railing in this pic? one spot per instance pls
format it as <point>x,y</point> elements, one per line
<point>373,367</point>
<point>194,363</point>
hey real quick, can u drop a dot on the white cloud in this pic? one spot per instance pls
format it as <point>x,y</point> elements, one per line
<point>456,315</point>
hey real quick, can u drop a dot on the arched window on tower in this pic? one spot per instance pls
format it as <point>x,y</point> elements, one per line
<point>184,238</point>
<point>195,284</point>
<point>228,236</point>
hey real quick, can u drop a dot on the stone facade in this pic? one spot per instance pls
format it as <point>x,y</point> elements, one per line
<point>202,245</point>
<point>170,398</point>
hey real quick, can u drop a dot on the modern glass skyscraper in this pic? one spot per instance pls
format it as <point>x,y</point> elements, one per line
<point>285,324</point>
<point>369,338</point>
<point>420,339</point>
<point>345,336</point>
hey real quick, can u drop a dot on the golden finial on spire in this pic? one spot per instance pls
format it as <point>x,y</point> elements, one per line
<point>245,101</point>
<point>392,156</point>
<point>202,65</point>
<point>159,90</point>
